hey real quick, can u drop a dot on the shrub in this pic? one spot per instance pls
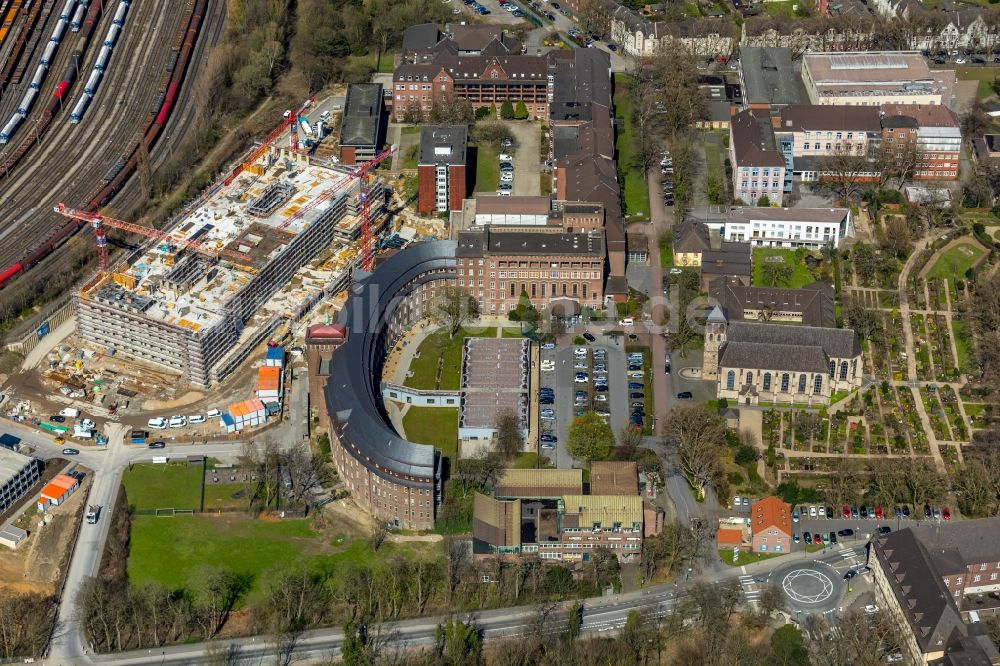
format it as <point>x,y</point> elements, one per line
<point>507,110</point>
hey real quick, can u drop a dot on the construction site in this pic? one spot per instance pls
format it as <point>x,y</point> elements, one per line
<point>258,250</point>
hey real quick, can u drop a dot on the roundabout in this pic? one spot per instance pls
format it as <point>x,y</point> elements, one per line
<point>809,587</point>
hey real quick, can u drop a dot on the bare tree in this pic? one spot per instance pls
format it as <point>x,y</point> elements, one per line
<point>453,306</point>
<point>695,438</point>
<point>380,530</point>
<point>844,171</point>
<point>508,441</point>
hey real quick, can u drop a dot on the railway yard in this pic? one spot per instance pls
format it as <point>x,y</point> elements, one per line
<point>48,158</point>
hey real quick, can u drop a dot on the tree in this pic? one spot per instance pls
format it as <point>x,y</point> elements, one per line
<point>629,440</point>
<point>789,647</point>
<point>507,110</point>
<point>975,121</point>
<point>764,201</point>
<point>597,15</point>
<point>590,437</point>
<point>507,441</point>
<point>453,306</point>
<point>458,643</point>
<point>776,273</point>
<point>695,438</point>
<point>865,322</point>
<point>860,639</point>
<point>521,111</point>
<point>676,79</point>
<point>896,238</point>
<point>844,171</point>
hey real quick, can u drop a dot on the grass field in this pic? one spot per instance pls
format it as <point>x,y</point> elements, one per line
<point>800,273</point>
<point>487,169</point>
<point>952,264</point>
<point>433,425</point>
<point>726,555</point>
<point>170,550</point>
<point>435,345</point>
<point>510,333</point>
<point>635,193</point>
<point>780,9</point>
<point>963,345</point>
<point>175,485</point>
<point>410,161</point>
<point>221,496</point>
<point>984,75</point>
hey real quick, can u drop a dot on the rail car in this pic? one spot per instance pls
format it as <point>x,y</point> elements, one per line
<point>36,81</point>
<point>102,58</point>
<point>95,80</point>
<point>112,37</point>
<point>8,130</point>
<point>77,21</point>
<point>49,53</point>
<point>119,18</point>
<point>81,108</point>
<point>27,101</point>
<point>177,69</point>
<point>67,10</point>
<point>59,31</point>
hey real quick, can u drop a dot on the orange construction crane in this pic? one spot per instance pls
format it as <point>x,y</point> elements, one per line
<point>360,172</point>
<point>98,222</point>
<point>290,121</point>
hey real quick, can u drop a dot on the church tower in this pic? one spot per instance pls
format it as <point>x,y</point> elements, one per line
<point>715,337</point>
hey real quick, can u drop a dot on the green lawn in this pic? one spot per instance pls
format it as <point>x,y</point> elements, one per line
<point>410,160</point>
<point>435,345</point>
<point>666,252</point>
<point>171,486</point>
<point>223,495</point>
<point>635,192</point>
<point>963,345</point>
<point>170,550</point>
<point>511,333</point>
<point>531,461</point>
<point>984,75</point>
<point>973,409</point>
<point>726,555</point>
<point>411,129</point>
<point>952,264</point>
<point>800,273</point>
<point>780,9</point>
<point>487,169</point>
<point>433,425</point>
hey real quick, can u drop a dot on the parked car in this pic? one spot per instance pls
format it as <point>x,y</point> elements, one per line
<point>636,385</point>
<point>846,532</point>
<point>807,537</point>
<point>56,418</point>
<point>588,336</point>
<point>685,395</point>
<point>847,511</point>
<point>70,452</point>
<point>58,440</point>
<point>157,445</point>
<point>884,529</point>
<point>946,513</point>
<point>637,395</point>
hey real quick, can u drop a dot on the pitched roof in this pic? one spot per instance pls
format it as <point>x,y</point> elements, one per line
<point>731,259</point>
<point>924,115</point>
<point>815,302</point>
<point>814,117</point>
<point>581,87</point>
<point>771,512</point>
<point>729,537</point>
<point>769,356</point>
<point>614,478</point>
<point>836,342</point>
<point>753,140</point>
<point>539,482</point>
<point>691,237</point>
<point>362,115</point>
<point>604,509</point>
<point>962,541</point>
<point>496,522</point>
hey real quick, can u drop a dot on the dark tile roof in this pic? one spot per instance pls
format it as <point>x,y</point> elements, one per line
<point>690,237</point>
<point>836,342</point>
<point>753,140</point>
<point>362,115</point>
<point>769,77</point>
<point>420,38</point>
<point>795,117</point>
<point>443,144</point>
<point>581,87</point>
<point>487,242</point>
<point>481,37</point>
<point>927,605</point>
<point>815,302</point>
<point>921,115</point>
<point>962,542</point>
<point>616,284</point>
<point>773,356</point>
<point>730,260</point>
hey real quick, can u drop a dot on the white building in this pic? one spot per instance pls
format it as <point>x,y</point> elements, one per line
<point>874,78</point>
<point>812,228</point>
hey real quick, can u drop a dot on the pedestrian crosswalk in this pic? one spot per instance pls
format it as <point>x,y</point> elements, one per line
<point>750,591</point>
<point>849,553</point>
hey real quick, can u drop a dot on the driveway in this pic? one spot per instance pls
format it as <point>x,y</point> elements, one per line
<point>527,162</point>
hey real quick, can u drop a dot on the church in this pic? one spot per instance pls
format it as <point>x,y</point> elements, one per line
<point>754,362</point>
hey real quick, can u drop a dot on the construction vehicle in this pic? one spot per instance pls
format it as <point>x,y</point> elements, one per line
<point>93,513</point>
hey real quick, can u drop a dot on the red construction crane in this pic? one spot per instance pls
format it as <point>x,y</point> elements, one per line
<point>360,172</point>
<point>290,122</point>
<point>98,222</point>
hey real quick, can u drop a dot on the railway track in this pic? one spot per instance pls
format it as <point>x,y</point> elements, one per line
<point>70,160</point>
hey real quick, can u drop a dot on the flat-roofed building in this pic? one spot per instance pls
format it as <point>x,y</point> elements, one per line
<point>812,228</point>
<point>932,132</point>
<point>495,377</point>
<point>18,473</point>
<point>442,174</point>
<point>614,478</point>
<point>361,126</point>
<point>875,78</point>
<point>768,78</point>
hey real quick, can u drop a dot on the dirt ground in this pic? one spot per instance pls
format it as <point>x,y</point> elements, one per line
<point>346,517</point>
<point>36,564</point>
<point>188,398</point>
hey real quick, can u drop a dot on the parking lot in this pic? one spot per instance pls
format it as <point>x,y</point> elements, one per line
<point>527,163</point>
<point>566,363</point>
<point>493,9</point>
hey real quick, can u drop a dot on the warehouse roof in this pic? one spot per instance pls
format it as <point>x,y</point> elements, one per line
<point>362,115</point>
<point>539,482</point>
<point>607,510</point>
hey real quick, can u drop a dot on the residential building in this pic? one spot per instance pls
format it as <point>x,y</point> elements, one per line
<point>499,267</point>
<point>806,132</point>
<point>758,164</point>
<point>812,305</point>
<point>696,246</point>
<point>755,362</point>
<point>875,78</point>
<point>18,473</point>
<point>813,228</point>
<point>638,36</point>
<point>363,123</point>
<point>771,526</point>
<point>443,180</point>
<point>927,577</point>
<point>477,63</point>
<point>933,133</point>
<point>768,77</point>
<point>846,29</point>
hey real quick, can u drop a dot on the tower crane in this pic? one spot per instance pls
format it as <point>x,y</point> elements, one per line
<point>98,222</point>
<point>291,123</point>
<point>361,172</point>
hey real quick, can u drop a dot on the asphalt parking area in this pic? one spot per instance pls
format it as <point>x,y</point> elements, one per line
<point>527,163</point>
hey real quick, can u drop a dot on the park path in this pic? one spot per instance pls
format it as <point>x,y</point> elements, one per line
<point>971,240</point>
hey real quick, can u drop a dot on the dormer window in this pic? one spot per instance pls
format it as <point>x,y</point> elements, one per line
<point>493,75</point>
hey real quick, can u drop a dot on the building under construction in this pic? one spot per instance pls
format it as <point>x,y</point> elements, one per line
<point>270,246</point>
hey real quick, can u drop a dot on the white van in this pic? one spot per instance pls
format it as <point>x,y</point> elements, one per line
<point>69,412</point>
<point>196,418</point>
<point>158,423</point>
<point>177,421</point>
<point>973,617</point>
<point>627,321</point>
<point>213,413</point>
<point>87,423</point>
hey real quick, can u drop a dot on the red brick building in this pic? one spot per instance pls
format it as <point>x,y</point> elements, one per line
<point>443,180</point>
<point>478,63</point>
<point>771,526</point>
<point>933,131</point>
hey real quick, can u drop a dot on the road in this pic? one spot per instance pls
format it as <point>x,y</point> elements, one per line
<point>563,24</point>
<point>601,615</point>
